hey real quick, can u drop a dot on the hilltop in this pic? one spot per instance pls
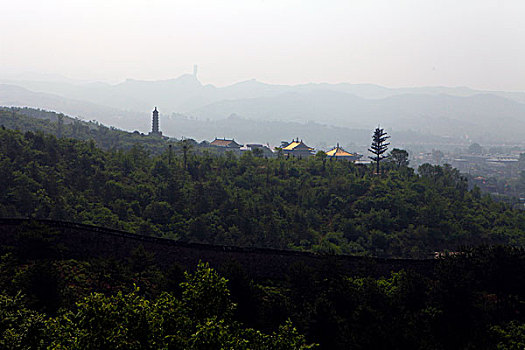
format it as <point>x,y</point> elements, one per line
<point>62,126</point>
<point>304,204</point>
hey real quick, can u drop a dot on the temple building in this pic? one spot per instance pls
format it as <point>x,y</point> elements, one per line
<point>155,124</point>
<point>339,153</point>
<point>225,143</point>
<point>298,149</point>
<point>263,150</point>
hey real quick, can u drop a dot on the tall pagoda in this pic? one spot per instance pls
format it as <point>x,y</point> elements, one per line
<point>155,124</point>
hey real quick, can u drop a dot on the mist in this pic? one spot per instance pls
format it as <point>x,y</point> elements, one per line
<point>395,44</point>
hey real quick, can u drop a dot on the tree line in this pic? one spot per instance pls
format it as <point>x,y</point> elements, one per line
<point>314,204</point>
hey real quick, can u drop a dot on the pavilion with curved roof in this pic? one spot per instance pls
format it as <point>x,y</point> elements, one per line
<point>339,153</point>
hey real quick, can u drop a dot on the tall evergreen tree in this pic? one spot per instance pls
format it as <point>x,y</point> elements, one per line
<point>379,146</point>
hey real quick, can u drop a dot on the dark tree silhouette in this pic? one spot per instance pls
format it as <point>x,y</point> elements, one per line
<point>186,147</point>
<point>60,125</point>
<point>379,146</point>
<point>399,157</point>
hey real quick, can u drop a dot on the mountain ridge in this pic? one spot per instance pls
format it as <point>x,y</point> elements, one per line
<point>442,111</point>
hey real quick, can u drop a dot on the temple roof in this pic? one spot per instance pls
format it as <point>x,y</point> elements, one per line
<point>297,145</point>
<point>225,143</point>
<point>339,152</point>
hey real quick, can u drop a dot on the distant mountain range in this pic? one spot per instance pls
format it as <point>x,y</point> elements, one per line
<point>12,95</point>
<point>461,114</point>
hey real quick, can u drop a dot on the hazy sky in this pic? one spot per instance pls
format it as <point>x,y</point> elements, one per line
<point>476,43</point>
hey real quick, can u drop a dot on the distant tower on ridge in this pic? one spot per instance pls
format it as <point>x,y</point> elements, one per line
<point>195,70</point>
<point>155,123</point>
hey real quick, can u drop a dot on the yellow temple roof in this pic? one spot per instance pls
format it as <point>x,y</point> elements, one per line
<point>291,146</point>
<point>294,144</point>
<point>339,152</point>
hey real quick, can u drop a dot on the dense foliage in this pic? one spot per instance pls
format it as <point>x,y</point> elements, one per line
<point>473,300</point>
<point>307,204</point>
<point>200,319</point>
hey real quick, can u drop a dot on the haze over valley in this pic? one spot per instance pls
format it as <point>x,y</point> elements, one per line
<point>252,110</point>
<point>430,72</point>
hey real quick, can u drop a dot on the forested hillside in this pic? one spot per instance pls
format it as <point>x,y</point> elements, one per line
<point>60,125</point>
<point>472,300</point>
<point>306,204</point>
